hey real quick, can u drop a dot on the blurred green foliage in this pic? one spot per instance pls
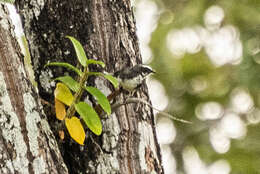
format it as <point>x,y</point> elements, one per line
<point>176,74</point>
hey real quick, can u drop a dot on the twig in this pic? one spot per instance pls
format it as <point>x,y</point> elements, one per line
<point>137,100</point>
<point>101,151</point>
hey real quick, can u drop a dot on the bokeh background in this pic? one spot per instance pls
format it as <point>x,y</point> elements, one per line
<point>206,54</point>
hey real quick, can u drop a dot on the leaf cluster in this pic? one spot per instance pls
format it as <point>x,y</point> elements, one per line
<point>69,91</point>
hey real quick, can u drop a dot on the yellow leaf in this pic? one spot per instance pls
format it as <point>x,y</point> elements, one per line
<point>63,94</point>
<point>60,110</point>
<point>75,129</point>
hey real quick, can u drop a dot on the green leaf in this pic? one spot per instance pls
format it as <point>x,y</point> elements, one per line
<point>95,73</point>
<point>112,79</point>
<point>92,61</point>
<point>90,117</point>
<point>63,94</point>
<point>8,1</point>
<point>65,65</point>
<point>70,82</point>
<point>79,51</point>
<point>28,61</point>
<point>100,97</point>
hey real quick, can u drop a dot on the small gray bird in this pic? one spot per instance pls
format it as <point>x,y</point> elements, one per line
<point>133,77</point>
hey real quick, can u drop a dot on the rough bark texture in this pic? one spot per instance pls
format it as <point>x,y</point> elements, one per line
<point>107,30</point>
<point>27,144</point>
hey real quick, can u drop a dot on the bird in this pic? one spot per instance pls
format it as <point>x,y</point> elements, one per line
<point>131,78</point>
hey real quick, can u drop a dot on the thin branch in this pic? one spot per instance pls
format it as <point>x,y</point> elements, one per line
<point>138,100</point>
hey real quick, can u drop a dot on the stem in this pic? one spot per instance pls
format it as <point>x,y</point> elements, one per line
<point>71,111</point>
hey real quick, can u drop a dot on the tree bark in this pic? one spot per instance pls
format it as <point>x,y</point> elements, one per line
<point>27,144</point>
<point>107,30</point>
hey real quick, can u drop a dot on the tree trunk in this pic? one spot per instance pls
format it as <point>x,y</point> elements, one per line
<point>27,144</point>
<point>107,30</point>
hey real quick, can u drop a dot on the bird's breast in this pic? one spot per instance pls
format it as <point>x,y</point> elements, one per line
<point>131,84</point>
